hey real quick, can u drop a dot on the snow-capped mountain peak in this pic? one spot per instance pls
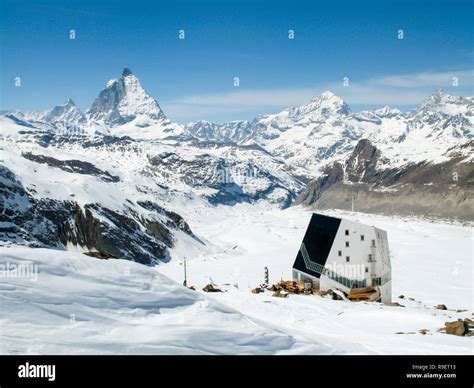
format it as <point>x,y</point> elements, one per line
<point>126,72</point>
<point>386,111</point>
<point>67,113</point>
<point>325,104</point>
<point>124,100</point>
<point>442,102</point>
<point>434,101</point>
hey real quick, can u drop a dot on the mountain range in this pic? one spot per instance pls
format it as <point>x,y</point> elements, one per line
<point>112,179</point>
<point>306,137</point>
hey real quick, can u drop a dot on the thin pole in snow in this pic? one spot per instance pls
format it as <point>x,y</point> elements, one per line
<point>185,283</point>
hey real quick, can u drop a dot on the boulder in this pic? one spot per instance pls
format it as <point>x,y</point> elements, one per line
<point>469,321</point>
<point>100,255</point>
<point>441,307</point>
<point>336,296</point>
<point>211,288</point>
<point>394,304</point>
<point>456,328</point>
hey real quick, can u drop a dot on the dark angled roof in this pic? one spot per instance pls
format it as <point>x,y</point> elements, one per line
<point>318,240</point>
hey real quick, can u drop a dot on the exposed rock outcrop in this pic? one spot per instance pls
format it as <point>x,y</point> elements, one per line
<point>125,233</point>
<point>73,166</point>
<point>444,189</point>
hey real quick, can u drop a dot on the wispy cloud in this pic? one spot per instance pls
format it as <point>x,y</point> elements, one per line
<point>394,90</point>
<point>246,97</point>
<point>426,79</point>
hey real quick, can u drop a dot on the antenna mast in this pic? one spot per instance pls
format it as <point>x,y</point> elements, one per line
<point>185,283</point>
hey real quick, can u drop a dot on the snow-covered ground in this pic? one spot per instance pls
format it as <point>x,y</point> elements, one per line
<point>74,304</point>
<point>82,305</point>
<point>432,263</point>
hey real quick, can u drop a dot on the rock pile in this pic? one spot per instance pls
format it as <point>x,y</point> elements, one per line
<point>459,327</point>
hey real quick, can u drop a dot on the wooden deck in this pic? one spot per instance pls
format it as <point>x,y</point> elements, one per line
<point>363,294</point>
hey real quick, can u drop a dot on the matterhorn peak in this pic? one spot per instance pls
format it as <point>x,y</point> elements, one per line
<point>124,100</point>
<point>126,72</point>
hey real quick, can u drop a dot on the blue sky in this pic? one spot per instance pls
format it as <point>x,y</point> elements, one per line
<point>194,78</point>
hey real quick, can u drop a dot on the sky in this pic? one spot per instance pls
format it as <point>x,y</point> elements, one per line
<point>352,48</point>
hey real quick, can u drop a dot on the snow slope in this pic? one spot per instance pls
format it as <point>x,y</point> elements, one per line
<point>224,173</point>
<point>82,305</point>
